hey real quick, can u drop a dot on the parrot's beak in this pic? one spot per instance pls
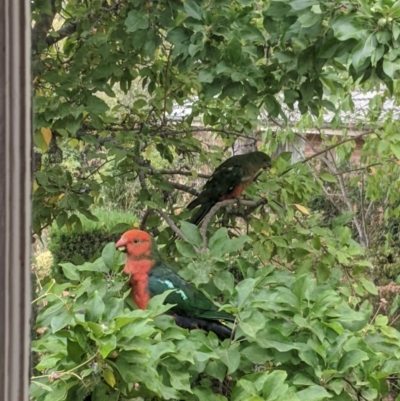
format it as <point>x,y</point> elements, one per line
<point>121,245</point>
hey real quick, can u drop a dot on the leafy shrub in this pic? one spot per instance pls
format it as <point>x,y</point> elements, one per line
<point>296,339</point>
<point>79,247</point>
<point>86,245</point>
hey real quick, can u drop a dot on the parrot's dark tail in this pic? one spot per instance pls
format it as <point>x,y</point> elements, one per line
<point>191,323</point>
<point>201,213</point>
<point>195,202</point>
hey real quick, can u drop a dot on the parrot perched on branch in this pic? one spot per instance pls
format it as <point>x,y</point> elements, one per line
<point>150,277</point>
<point>228,181</point>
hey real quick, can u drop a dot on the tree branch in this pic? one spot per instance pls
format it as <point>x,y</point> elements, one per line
<point>321,152</point>
<point>66,30</point>
<point>353,138</point>
<point>219,205</point>
<point>358,393</point>
<point>174,228</point>
<point>184,188</point>
<point>176,172</point>
<point>216,130</point>
<point>42,27</point>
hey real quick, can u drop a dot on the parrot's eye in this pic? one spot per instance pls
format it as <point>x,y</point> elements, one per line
<point>135,241</point>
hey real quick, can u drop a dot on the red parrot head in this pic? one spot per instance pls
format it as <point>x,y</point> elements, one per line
<point>137,244</point>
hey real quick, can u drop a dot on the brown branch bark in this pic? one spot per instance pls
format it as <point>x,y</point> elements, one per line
<point>219,205</point>
<point>353,138</point>
<point>176,172</point>
<point>66,30</point>
<point>184,188</point>
<point>174,228</point>
<point>42,28</point>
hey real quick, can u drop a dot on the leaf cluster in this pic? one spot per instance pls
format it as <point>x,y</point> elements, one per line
<point>296,339</point>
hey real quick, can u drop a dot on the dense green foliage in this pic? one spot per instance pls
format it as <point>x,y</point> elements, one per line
<point>296,339</point>
<point>109,80</point>
<point>86,244</point>
<point>78,247</point>
<point>311,52</point>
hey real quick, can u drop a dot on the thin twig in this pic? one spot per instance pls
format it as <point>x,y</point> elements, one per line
<point>182,187</point>
<point>68,371</point>
<point>358,169</point>
<point>146,215</point>
<point>176,172</point>
<point>166,85</point>
<point>376,313</point>
<point>219,205</point>
<point>358,393</point>
<point>395,320</point>
<point>321,152</point>
<point>174,228</point>
<point>97,169</point>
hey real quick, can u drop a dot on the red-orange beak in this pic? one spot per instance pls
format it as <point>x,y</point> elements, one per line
<point>121,243</point>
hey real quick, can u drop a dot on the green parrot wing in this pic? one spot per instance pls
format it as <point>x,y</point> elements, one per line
<point>189,300</point>
<point>223,181</point>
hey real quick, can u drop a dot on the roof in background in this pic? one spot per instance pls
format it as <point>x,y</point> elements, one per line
<point>351,118</point>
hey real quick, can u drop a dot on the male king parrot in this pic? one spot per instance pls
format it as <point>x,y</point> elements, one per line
<point>150,277</point>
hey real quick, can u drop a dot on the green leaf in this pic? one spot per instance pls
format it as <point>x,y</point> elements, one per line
<point>309,356</point>
<point>300,379</point>
<point>109,254</point>
<point>185,249</point>
<point>136,20</point>
<point>328,177</point>
<point>256,354</point>
<point>95,307</point>
<point>217,369</point>
<point>230,357</point>
<point>363,50</point>
<point>179,379</point>
<point>391,366</point>
<point>302,4</point>
<point>96,105</point>
<point>224,281</point>
<point>178,36</point>
<point>369,286</point>
<point>337,385</point>
<point>253,323</point>
<point>274,386</point>
<point>120,228</point>
<point>61,320</point>
<point>235,244</point>
<point>156,303</point>
<point>193,9</point>
<point>107,344</point>
<point>351,359</point>
<point>273,338</point>
<point>313,393</point>
<point>70,271</point>
<point>242,291</point>
<point>323,272</point>
<point>395,148</point>
<point>206,77</point>
<point>206,394</point>
<point>390,68</point>
<point>191,233</point>
<point>101,392</point>
<point>346,27</point>
<point>335,326</point>
<point>59,391</point>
